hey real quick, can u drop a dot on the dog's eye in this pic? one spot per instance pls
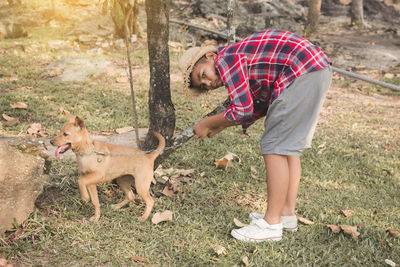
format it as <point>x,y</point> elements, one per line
<point>65,134</point>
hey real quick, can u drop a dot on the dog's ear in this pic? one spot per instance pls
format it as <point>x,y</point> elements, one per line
<point>80,123</point>
<point>70,117</point>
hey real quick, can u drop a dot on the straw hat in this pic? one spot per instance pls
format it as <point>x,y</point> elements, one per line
<point>189,59</point>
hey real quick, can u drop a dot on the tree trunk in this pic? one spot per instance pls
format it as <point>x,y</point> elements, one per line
<point>357,14</point>
<point>314,8</point>
<point>162,113</point>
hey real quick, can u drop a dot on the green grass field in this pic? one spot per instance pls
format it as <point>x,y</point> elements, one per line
<point>353,165</point>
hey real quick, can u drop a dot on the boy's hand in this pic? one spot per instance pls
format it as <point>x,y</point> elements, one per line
<point>210,126</point>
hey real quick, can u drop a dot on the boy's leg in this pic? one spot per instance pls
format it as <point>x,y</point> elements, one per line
<point>294,181</point>
<point>278,175</point>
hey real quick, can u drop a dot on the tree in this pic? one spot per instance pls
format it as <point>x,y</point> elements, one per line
<point>357,13</point>
<point>162,113</point>
<point>314,8</point>
<point>121,11</point>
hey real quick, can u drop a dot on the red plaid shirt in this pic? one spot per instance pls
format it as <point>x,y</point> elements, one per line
<point>257,70</point>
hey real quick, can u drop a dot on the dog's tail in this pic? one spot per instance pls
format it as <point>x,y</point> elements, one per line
<point>160,147</point>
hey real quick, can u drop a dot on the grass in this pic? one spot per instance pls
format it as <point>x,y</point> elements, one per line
<point>353,164</point>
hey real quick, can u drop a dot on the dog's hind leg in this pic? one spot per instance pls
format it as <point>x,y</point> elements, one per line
<point>143,190</point>
<point>125,182</point>
<point>95,201</point>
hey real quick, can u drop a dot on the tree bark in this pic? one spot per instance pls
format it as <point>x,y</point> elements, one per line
<point>162,112</point>
<point>314,8</point>
<point>357,13</point>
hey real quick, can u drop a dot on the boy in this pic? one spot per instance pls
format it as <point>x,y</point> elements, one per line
<point>276,74</point>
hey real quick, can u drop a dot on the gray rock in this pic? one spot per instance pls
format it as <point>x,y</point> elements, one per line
<point>75,69</point>
<point>23,172</point>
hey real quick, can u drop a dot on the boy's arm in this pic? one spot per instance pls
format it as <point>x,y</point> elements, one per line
<point>212,125</point>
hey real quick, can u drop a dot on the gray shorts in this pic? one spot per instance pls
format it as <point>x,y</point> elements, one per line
<point>292,117</point>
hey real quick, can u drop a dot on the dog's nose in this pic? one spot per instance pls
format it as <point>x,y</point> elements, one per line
<point>52,142</point>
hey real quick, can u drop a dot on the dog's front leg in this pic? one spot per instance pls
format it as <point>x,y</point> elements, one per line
<point>95,201</point>
<point>83,189</point>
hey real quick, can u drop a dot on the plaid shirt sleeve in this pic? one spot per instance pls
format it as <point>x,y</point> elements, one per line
<point>234,72</point>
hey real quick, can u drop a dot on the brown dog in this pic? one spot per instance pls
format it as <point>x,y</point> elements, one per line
<point>103,162</point>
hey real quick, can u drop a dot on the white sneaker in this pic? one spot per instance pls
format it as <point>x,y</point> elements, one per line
<point>258,231</point>
<point>289,222</point>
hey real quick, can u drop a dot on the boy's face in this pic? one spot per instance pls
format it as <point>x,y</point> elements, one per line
<point>204,75</point>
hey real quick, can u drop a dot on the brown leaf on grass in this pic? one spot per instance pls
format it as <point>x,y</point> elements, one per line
<point>20,105</point>
<point>393,233</point>
<point>49,97</point>
<point>245,260</point>
<point>390,263</point>
<point>162,217</point>
<point>168,191</point>
<point>138,259</point>
<point>180,244</point>
<point>220,250</point>
<point>347,213</point>
<point>3,262</point>
<point>334,228</point>
<point>253,170</point>
<point>239,223</point>
<point>10,120</point>
<point>305,221</point>
<point>226,161</point>
<point>36,129</point>
<point>223,163</point>
<point>254,177</point>
<point>350,230</point>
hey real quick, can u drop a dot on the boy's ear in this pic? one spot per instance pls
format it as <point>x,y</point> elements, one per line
<point>80,123</point>
<point>211,55</point>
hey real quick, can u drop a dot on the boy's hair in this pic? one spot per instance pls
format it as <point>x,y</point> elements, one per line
<point>189,60</point>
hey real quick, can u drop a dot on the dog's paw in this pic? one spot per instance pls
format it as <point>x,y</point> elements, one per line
<point>85,199</point>
<point>142,218</point>
<point>94,218</point>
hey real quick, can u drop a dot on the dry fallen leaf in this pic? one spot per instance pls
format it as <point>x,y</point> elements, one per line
<point>350,230</point>
<point>36,129</point>
<point>10,120</point>
<point>168,191</point>
<point>254,177</point>
<point>180,244</point>
<point>21,105</point>
<point>347,213</point>
<point>334,228</point>
<point>390,262</point>
<point>393,233</point>
<point>226,161</point>
<point>253,170</point>
<point>220,250</point>
<point>239,223</point>
<point>162,217</point>
<point>223,163</point>
<point>305,221</point>
<point>139,259</point>
<point>245,260</point>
